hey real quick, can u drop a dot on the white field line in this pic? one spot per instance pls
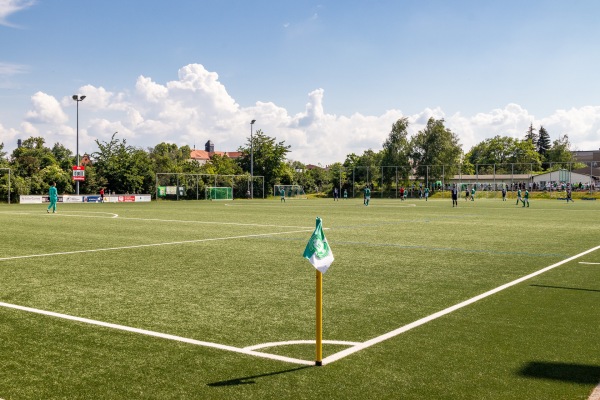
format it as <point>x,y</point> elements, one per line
<point>595,395</point>
<point>422,321</point>
<point>589,263</point>
<point>152,219</point>
<point>139,246</point>
<point>159,335</point>
<point>292,342</point>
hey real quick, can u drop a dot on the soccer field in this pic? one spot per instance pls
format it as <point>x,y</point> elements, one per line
<point>213,300</point>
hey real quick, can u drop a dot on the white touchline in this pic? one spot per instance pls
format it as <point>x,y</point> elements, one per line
<point>158,334</point>
<point>138,246</point>
<point>379,339</point>
<point>161,220</point>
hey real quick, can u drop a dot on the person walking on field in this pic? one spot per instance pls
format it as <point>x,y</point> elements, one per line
<point>345,194</point>
<point>282,194</point>
<point>503,193</point>
<point>101,195</point>
<point>426,193</point>
<point>367,195</point>
<point>53,197</point>
<point>569,194</point>
<point>454,195</point>
<point>473,193</point>
<point>518,197</point>
<point>466,193</point>
<point>526,198</point>
<point>336,196</point>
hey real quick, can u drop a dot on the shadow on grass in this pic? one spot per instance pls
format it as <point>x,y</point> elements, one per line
<point>557,371</point>
<point>246,380</point>
<point>566,288</point>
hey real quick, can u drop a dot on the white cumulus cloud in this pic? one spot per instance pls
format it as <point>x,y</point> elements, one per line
<point>196,108</point>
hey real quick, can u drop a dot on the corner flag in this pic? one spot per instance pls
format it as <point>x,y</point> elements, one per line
<point>317,250</point>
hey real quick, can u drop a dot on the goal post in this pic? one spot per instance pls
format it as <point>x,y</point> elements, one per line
<point>187,186</point>
<point>218,193</point>
<point>290,191</point>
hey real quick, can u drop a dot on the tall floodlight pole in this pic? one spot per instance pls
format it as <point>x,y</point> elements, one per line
<point>78,98</point>
<point>251,161</point>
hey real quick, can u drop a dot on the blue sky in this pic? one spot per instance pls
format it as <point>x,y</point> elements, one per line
<point>327,77</point>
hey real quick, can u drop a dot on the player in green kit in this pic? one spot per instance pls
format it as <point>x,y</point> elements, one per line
<point>53,196</point>
<point>518,197</point>
<point>473,193</point>
<point>282,193</point>
<point>367,195</point>
<point>526,198</point>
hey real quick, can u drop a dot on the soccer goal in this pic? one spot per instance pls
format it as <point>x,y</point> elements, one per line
<point>290,191</point>
<point>218,193</point>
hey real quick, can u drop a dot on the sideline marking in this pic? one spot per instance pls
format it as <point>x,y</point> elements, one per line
<point>330,359</point>
<point>595,395</point>
<point>589,263</point>
<point>139,246</point>
<point>158,334</point>
<point>422,321</point>
<point>156,219</point>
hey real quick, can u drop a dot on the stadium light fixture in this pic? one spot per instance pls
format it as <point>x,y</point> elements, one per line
<point>251,161</point>
<point>77,98</point>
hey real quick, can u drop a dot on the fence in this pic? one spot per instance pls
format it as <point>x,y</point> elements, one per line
<point>183,186</point>
<point>386,181</point>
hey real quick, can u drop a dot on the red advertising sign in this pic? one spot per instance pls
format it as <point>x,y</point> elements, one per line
<point>78,173</point>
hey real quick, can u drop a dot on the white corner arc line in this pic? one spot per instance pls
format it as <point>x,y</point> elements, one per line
<point>292,342</point>
<point>422,321</point>
<point>158,334</point>
<point>139,246</point>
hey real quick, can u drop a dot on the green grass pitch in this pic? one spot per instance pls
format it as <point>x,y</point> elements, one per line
<point>232,274</point>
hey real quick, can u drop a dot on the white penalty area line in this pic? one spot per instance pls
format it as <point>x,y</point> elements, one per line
<point>245,351</point>
<point>139,246</point>
<point>422,321</point>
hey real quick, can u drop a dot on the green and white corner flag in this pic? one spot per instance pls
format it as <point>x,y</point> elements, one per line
<point>317,250</point>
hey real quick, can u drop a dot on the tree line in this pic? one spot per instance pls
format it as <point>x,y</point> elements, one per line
<point>121,168</point>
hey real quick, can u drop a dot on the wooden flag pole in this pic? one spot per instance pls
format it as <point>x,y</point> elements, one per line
<point>319,291</point>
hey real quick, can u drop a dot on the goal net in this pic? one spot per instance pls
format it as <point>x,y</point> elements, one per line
<point>291,191</point>
<point>218,193</point>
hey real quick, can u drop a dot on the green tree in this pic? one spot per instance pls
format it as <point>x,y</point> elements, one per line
<point>125,168</point>
<point>337,176</point>
<point>222,165</point>
<point>63,156</point>
<point>435,145</point>
<point>560,153</point>
<point>543,145</point>
<point>396,152</point>
<point>525,157</point>
<point>29,160</point>
<point>496,151</point>
<point>531,135</point>
<point>269,157</point>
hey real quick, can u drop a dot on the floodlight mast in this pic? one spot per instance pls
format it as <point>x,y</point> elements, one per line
<point>77,98</point>
<point>251,161</point>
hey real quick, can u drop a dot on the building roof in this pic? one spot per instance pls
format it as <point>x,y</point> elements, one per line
<point>206,155</point>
